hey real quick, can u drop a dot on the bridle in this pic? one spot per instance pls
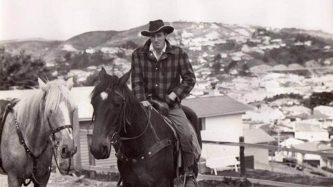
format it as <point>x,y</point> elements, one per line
<point>34,156</point>
<point>115,136</point>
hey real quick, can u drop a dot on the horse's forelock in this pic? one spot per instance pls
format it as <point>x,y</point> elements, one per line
<point>108,82</point>
<point>30,106</point>
<point>57,93</point>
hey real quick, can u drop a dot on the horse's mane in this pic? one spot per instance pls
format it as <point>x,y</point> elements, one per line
<point>29,107</point>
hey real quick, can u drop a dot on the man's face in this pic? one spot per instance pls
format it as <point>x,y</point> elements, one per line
<point>158,40</point>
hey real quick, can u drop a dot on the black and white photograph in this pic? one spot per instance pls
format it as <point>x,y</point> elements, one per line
<point>169,93</point>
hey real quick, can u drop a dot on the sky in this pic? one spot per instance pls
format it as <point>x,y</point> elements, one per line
<point>63,19</point>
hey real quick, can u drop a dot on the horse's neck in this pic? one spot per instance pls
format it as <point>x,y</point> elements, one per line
<point>139,122</point>
<point>35,135</point>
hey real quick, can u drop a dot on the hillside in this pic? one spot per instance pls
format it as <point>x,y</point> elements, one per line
<point>36,47</point>
<point>214,48</point>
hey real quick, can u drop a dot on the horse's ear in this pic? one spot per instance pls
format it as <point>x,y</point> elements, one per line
<point>102,74</point>
<point>124,78</point>
<point>70,83</point>
<point>42,85</point>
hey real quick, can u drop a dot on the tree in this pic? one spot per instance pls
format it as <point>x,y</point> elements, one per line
<point>21,71</point>
<point>216,67</point>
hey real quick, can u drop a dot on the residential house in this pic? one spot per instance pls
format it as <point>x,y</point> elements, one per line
<point>288,143</point>
<point>310,132</point>
<point>314,159</point>
<point>221,120</point>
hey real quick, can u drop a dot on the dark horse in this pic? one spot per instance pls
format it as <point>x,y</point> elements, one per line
<point>143,141</point>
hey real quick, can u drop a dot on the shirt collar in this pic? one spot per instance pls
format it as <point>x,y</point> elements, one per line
<point>151,48</point>
<point>168,48</point>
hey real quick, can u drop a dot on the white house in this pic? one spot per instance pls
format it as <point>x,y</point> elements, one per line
<point>288,143</point>
<point>310,132</point>
<point>221,120</point>
<point>317,159</point>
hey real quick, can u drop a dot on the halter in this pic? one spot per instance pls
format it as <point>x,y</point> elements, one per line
<point>30,153</point>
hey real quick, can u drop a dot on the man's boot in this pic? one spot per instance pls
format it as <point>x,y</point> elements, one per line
<point>190,179</point>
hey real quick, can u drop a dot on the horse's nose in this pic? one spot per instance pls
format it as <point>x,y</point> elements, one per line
<point>105,149</point>
<point>64,151</point>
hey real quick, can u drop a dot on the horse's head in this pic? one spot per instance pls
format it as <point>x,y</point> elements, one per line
<point>109,100</point>
<point>58,110</point>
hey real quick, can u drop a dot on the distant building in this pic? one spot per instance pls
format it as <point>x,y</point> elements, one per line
<point>309,132</point>
<point>221,120</point>
<point>314,159</point>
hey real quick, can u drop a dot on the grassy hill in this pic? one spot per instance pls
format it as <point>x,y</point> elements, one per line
<point>90,39</point>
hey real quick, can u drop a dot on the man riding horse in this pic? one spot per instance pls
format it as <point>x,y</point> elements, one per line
<point>163,72</point>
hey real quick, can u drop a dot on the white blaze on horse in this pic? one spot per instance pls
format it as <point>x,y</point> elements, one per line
<point>37,125</point>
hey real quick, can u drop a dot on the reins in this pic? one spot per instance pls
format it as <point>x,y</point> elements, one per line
<point>115,136</point>
<point>143,132</point>
<point>155,148</point>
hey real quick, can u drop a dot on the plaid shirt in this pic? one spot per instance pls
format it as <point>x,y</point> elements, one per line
<point>158,78</point>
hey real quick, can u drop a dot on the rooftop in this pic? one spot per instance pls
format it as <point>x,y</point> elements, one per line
<point>313,146</point>
<point>257,135</point>
<point>216,106</point>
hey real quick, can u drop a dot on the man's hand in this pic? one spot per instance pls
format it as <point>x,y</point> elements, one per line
<point>145,103</point>
<point>172,96</point>
<point>171,99</point>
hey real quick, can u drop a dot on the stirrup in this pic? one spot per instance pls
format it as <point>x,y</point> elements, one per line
<point>190,176</point>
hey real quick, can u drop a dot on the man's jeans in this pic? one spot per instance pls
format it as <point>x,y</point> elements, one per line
<point>188,139</point>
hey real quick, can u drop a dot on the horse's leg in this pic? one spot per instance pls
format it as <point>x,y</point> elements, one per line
<point>42,180</point>
<point>13,181</point>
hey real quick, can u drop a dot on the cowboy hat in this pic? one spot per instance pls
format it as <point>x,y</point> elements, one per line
<point>157,26</point>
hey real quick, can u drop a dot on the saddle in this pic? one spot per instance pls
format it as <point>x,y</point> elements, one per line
<point>163,108</point>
